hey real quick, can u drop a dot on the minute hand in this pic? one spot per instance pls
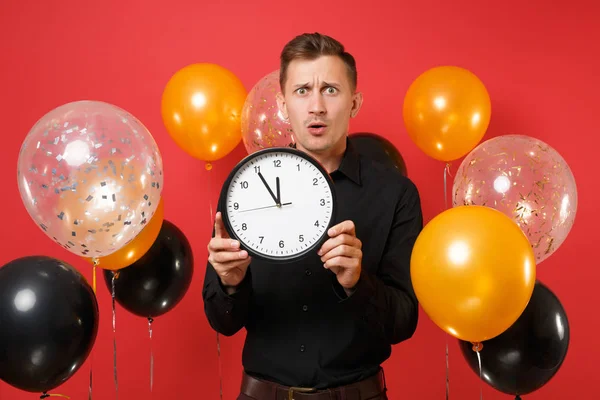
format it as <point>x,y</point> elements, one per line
<point>262,208</point>
<point>262,178</point>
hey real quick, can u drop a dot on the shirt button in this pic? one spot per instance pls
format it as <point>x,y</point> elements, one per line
<point>305,308</point>
<point>301,347</point>
<point>308,273</point>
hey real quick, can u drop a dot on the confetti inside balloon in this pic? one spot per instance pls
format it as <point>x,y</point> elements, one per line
<point>90,175</point>
<point>263,125</point>
<point>528,181</point>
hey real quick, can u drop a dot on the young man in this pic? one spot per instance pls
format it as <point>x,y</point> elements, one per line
<point>322,327</point>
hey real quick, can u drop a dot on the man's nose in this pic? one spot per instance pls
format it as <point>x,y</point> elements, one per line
<point>317,104</point>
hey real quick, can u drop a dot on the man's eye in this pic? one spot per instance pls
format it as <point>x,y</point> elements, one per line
<point>331,90</point>
<point>301,91</point>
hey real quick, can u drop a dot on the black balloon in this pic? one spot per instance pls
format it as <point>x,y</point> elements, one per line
<point>379,149</point>
<point>157,282</point>
<point>527,355</point>
<point>48,322</point>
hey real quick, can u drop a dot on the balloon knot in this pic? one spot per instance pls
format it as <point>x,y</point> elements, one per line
<point>116,274</point>
<point>44,395</point>
<point>208,166</point>
<point>477,346</point>
<point>448,165</point>
<point>150,320</point>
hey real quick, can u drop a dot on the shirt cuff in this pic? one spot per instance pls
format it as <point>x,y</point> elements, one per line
<point>242,292</point>
<point>362,294</point>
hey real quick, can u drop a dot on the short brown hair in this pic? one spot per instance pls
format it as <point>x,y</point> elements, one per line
<point>310,46</point>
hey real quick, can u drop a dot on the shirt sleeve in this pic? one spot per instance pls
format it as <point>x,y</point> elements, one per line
<point>226,313</point>
<point>386,301</point>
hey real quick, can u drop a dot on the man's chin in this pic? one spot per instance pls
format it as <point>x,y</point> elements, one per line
<point>316,146</point>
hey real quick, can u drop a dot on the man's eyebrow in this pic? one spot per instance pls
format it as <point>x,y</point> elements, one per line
<point>334,84</point>
<point>299,85</point>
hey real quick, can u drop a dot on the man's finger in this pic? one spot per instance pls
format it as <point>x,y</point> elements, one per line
<point>342,262</point>
<point>338,241</point>
<point>335,269</point>
<point>223,244</point>
<point>220,231</point>
<point>342,251</point>
<point>343,227</point>
<point>223,257</point>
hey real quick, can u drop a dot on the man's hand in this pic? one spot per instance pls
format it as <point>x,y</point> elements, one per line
<point>225,256</point>
<point>342,254</point>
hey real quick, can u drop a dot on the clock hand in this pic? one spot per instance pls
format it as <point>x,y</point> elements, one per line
<point>262,208</point>
<point>278,192</point>
<point>269,189</point>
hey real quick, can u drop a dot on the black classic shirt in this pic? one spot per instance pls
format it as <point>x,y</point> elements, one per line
<point>302,329</point>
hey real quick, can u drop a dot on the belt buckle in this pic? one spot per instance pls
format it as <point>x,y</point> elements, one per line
<point>293,389</point>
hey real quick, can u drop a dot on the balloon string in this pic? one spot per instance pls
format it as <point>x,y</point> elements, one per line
<point>447,372</point>
<point>96,262</point>
<point>150,321</point>
<point>446,173</point>
<point>220,367</point>
<point>91,376</point>
<point>210,174</point>
<point>44,395</point>
<point>208,168</point>
<point>114,320</point>
<point>480,377</point>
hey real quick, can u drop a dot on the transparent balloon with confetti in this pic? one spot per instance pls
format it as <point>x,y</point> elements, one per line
<point>90,175</point>
<point>263,125</point>
<point>528,181</point>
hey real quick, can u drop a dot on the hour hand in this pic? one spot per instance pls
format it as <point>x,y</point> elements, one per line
<point>278,191</point>
<point>262,178</point>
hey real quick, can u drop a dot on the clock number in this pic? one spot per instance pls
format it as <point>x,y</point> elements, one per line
<point>244,184</point>
<point>298,165</point>
<point>317,223</point>
<point>257,169</point>
<point>236,206</point>
<point>322,202</point>
<point>261,238</point>
<point>301,238</point>
<point>277,163</point>
<point>281,243</point>
<point>315,181</point>
<point>244,226</point>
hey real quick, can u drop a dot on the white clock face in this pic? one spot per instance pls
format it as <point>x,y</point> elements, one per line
<point>291,217</point>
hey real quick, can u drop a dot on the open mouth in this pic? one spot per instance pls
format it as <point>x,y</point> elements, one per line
<point>317,128</point>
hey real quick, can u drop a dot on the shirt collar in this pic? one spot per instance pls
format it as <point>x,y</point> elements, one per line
<point>350,165</point>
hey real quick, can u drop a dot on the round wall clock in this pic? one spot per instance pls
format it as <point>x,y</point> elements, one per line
<point>278,203</point>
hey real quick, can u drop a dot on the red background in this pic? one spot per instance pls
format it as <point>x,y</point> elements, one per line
<point>537,62</point>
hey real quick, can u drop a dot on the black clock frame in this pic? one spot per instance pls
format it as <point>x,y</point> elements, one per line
<point>231,231</point>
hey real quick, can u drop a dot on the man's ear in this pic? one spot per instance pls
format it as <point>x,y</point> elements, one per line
<point>357,101</point>
<point>281,105</point>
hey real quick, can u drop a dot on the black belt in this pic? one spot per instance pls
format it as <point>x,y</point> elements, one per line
<point>264,390</point>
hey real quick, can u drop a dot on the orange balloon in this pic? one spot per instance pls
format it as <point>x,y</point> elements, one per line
<point>201,109</point>
<point>447,111</point>
<point>136,248</point>
<point>473,271</point>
